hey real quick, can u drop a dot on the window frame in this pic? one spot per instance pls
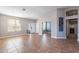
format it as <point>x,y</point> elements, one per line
<point>15,27</point>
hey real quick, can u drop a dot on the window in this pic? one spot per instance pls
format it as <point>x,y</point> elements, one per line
<point>48,26</point>
<point>14,25</point>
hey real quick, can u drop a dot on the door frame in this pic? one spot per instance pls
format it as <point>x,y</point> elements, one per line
<point>67,23</point>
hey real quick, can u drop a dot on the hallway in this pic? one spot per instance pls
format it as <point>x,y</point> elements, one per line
<point>72,29</point>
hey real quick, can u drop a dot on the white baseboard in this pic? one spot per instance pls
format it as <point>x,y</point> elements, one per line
<point>54,37</point>
<point>12,36</point>
<point>61,37</point>
<point>58,37</point>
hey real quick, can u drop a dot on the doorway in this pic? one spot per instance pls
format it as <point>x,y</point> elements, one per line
<point>46,27</point>
<point>71,28</point>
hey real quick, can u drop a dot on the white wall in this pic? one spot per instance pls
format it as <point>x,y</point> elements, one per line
<point>0,26</point>
<point>61,35</point>
<point>39,27</point>
<point>54,24</point>
<point>3,25</point>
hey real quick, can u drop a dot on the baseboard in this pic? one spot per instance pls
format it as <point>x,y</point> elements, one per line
<point>54,37</point>
<point>12,36</point>
<point>58,37</point>
<point>61,37</point>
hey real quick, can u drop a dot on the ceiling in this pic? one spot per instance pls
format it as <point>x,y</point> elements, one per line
<point>32,12</point>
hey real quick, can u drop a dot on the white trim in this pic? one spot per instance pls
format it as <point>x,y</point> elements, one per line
<point>54,37</point>
<point>12,36</point>
<point>58,37</point>
<point>61,37</point>
<point>39,34</point>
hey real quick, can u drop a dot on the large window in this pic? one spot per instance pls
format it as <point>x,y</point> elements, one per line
<point>14,25</point>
